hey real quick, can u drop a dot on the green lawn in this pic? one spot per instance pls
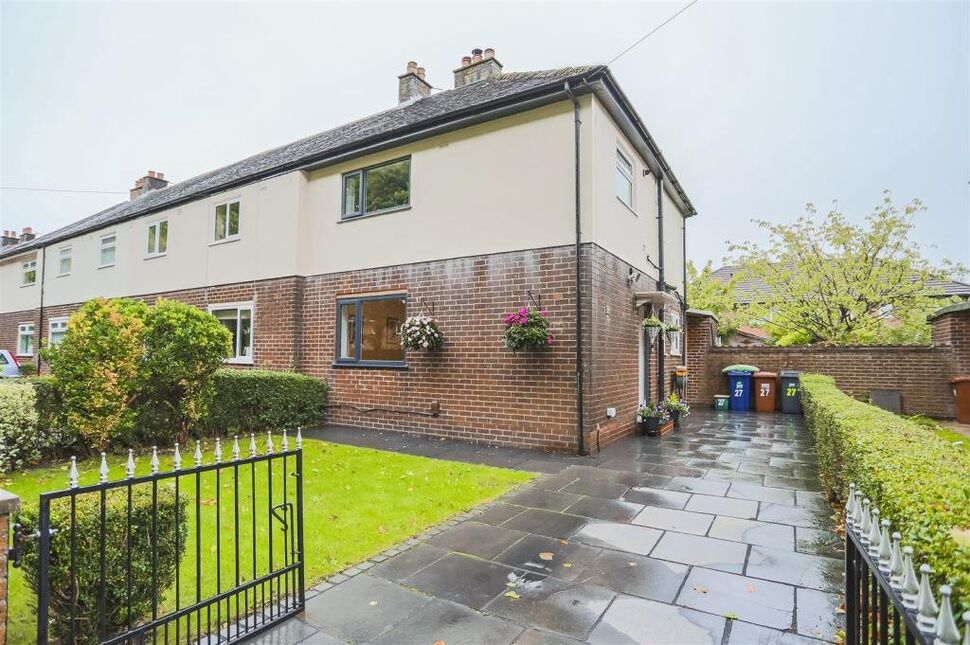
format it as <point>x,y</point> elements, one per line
<point>357,502</point>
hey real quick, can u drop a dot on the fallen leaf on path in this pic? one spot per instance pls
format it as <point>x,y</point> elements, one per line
<point>750,589</point>
<point>512,595</point>
<point>567,564</point>
<point>700,589</point>
<point>373,603</point>
<point>546,555</point>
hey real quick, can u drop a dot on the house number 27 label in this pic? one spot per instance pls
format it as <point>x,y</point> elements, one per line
<point>739,389</point>
<point>765,389</point>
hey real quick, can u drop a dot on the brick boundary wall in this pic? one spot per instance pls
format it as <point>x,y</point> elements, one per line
<point>920,372</point>
<point>9,504</point>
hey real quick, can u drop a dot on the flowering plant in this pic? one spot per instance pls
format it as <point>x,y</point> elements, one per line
<point>653,411</point>
<point>421,332</point>
<point>675,404</point>
<point>527,329</point>
<point>653,321</point>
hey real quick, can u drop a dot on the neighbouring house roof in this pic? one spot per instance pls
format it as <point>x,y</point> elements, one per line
<point>752,289</point>
<point>489,96</point>
<point>753,332</point>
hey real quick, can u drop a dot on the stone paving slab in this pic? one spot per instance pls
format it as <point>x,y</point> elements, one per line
<point>715,534</point>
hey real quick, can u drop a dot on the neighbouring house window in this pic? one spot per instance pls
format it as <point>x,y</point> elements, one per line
<point>25,339</point>
<point>378,188</point>
<point>226,222</point>
<point>109,244</point>
<point>238,319</point>
<point>29,273</point>
<point>368,328</point>
<point>64,260</point>
<point>157,238</point>
<point>624,179</point>
<point>56,331</point>
<point>673,319</point>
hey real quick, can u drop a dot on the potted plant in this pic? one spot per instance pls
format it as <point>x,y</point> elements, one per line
<point>671,329</point>
<point>653,325</point>
<point>421,332</point>
<point>527,329</point>
<point>649,418</point>
<point>677,408</point>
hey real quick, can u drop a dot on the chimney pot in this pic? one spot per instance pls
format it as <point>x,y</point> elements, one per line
<point>412,67</point>
<point>466,61</point>
<point>421,73</point>
<point>489,53</point>
<point>476,55</point>
<point>28,230</point>
<point>151,173</point>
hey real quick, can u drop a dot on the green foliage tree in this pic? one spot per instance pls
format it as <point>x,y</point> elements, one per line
<point>96,368</point>
<point>710,293</point>
<point>183,348</point>
<point>830,281</point>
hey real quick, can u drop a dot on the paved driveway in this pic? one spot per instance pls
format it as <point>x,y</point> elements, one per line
<point>716,534</point>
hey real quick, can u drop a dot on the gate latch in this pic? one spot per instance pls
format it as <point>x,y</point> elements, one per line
<point>15,555</point>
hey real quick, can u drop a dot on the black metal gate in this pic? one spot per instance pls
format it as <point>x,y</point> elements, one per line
<point>212,552</point>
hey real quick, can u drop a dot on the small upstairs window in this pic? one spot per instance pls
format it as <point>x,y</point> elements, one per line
<point>157,238</point>
<point>65,260</point>
<point>109,245</point>
<point>377,189</point>
<point>226,222</point>
<point>624,179</point>
<point>29,273</point>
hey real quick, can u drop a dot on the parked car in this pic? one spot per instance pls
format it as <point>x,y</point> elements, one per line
<point>9,367</point>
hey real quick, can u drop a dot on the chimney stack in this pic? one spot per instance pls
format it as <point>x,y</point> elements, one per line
<point>9,239</point>
<point>27,234</point>
<point>411,84</point>
<point>151,181</point>
<point>477,67</point>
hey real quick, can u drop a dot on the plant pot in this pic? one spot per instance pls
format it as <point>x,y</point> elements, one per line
<point>675,415</point>
<point>649,426</point>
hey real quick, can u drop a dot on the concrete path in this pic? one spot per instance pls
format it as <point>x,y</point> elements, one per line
<point>714,535</point>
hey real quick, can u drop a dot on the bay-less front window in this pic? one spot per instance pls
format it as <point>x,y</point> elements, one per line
<point>57,329</point>
<point>29,275</point>
<point>378,188</point>
<point>624,179</point>
<point>226,222</point>
<point>109,245</point>
<point>238,319</point>
<point>368,330</point>
<point>25,339</point>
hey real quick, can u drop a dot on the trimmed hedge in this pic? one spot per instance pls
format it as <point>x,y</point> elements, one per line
<point>920,482</point>
<point>259,400</point>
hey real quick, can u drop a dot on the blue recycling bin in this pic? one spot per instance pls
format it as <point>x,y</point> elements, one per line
<point>739,388</point>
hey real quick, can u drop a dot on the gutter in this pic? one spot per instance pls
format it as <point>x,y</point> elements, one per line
<point>38,334</point>
<point>580,370</point>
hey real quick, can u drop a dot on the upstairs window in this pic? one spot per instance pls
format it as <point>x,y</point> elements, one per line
<point>226,225</point>
<point>64,260</point>
<point>25,339</point>
<point>238,319</point>
<point>624,179</point>
<point>377,189</point>
<point>29,273</point>
<point>368,330</point>
<point>109,244</point>
<point>57,329</point>
<point>157,238</point>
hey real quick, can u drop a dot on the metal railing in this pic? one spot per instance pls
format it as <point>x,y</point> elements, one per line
<point>247,573</point>
<point>885,601</point>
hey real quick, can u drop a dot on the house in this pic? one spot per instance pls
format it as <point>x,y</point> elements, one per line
<point>510,190</point>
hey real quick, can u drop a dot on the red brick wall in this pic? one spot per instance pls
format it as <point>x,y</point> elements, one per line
<point>952,329</point>
<point>920,373</point>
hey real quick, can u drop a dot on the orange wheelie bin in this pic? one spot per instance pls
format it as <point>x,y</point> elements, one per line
<point>765,391</point>
<point>961,390</point>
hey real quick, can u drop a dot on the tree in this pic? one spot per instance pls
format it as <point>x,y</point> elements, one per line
<point>830,281</point>
<point>710,293</point>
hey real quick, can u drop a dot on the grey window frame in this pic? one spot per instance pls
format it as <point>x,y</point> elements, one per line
<point>362,173</point>
<point>358,302</point>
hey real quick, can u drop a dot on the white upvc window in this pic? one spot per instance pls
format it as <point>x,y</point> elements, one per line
<point>225,221</point>
<point>673,319</point>
<point>25,339</point>
<point>29,273</point>
<point>56,330</point>
<point>157,239</point>
<point>624,178</point>
<point>65,260</point>
<point>109,249</point>
<point>238,319</point>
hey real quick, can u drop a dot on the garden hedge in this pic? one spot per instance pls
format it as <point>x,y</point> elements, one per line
<point>259,400</point>
<point>919,481</point>
<point>87,534</point>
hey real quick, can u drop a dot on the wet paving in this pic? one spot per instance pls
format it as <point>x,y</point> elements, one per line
<point>716,534</point>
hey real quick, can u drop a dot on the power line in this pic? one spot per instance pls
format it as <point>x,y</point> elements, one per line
<point>653,31</point>
<point>63,190</point>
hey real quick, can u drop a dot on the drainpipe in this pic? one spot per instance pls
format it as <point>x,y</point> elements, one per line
<point>661,283</point>
<point>580,420</point>
<point>684,306</point>
<point>39,332</point>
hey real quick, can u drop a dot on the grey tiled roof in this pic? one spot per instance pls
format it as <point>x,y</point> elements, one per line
<point>752,289</point>
<point>440,107</point>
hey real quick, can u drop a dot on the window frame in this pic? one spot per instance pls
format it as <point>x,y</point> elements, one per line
<point>621,154</point>
<point>101,247</point>
<point>362,191</point>
<point>60,259</point>
<point>50,328</point>
<point>157,225</point>
<point>358,302</point>
<point>21,333</point>
<point>240,306</point>
<point>674,317</point>
<point>25,268</point>
<point>212,222</point>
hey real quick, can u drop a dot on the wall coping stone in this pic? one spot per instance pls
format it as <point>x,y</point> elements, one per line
<point>828,349</point>
<point>9,503</point>
<point>950,309</point>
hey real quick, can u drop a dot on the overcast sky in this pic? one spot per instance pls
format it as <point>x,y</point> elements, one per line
<point>760,107</point>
